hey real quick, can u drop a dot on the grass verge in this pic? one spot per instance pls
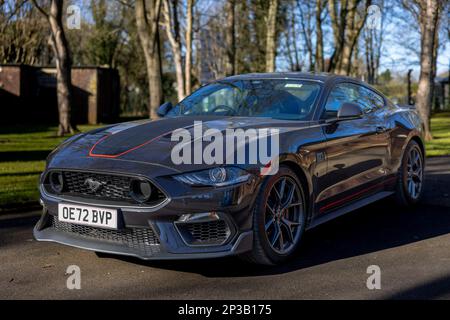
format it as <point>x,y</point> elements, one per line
<point>23,150</point>
<point>440,127</point>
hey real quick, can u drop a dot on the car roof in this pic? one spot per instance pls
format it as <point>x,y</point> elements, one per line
<point>317,76</point>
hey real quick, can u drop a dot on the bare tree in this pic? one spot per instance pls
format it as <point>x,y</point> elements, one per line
<point>147,19</point>
<point>21,38</point>
<point>271,36</point>
<point>63,64</point>
<point>347,24</point>
<point>427,13</point>
<point>307,28</point>
<point>230,38</point>
<point>319,59</point>
<point>189,33</point>
<point>373,42</point>
<point>172,26</point>
<point>292,51</point>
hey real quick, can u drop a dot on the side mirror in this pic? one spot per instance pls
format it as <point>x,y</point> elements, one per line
<point>348,111</point>
<point>164,109</point>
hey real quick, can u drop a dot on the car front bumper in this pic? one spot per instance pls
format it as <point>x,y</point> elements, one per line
<point>157,233</point>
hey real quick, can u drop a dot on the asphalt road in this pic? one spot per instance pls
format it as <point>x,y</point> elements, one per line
<point>411,247</point>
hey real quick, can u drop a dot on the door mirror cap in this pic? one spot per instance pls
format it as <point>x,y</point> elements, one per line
<point>349,110</point>
<point>164,109</point>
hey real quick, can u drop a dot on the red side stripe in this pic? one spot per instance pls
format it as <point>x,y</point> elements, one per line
<point>354,195</point>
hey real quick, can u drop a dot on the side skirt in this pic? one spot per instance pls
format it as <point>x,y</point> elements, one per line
<point>352,207</point>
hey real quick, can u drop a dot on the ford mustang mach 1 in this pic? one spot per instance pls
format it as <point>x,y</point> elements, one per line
<point>342,145</point>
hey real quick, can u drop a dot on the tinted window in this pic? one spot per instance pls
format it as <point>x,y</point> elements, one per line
<point>370,100</point>
<point>348,92</point>
<point>343,92</point>
<point>282,99</point>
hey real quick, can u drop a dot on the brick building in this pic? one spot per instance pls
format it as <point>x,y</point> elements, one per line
<point>28,93</point>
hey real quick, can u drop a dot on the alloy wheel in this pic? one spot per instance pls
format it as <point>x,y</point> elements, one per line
<point>414,176</point>
<point>283,215</point>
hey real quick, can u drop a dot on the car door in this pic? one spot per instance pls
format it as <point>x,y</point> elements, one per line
<point>356,150</point>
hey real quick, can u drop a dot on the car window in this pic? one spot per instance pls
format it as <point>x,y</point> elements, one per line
<point>343,92</point>
<point>370,100</point>
<point>213,98</point>
<point>274,98</point>
<point>349,92</point>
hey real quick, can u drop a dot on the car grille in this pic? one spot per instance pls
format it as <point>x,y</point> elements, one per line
<point>113,187</point>
<point>204,233</point>
<point>142,240</point>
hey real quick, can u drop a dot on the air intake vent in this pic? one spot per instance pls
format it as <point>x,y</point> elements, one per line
<point>143,240</point>
<point>204,233</point>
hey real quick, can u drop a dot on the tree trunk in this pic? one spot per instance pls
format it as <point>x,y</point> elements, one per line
<point>154,81</point>
<point>271,37</point>
<point>319,60</point>
<point>297,63</point>
<point>351,34</point>
<point>61,51</point>
<point>172,26</point>
<point>347,26</point>
<point>306,30</point>
<point>368,52</point>
<point>189,32</point>
<point>230,39</point>
<point>147,19</point>
<point>429,13</point>
<point>338,27</point>
<point>434,64</point>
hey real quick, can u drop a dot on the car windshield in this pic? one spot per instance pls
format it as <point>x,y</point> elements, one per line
<point>272,98</point>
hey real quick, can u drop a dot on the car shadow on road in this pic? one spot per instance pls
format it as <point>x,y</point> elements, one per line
<point>438,288</point>
<point>374,228</point>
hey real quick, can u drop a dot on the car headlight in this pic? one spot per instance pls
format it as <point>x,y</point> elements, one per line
<point>218,177</point>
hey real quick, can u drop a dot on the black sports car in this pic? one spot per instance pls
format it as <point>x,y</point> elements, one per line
<point>341,146</point>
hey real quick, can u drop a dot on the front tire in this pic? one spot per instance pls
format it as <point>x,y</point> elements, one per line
<point>410,176</point>
<point>279,218</point>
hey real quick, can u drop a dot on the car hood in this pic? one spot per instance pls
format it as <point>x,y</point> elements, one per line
<point>149,141</point>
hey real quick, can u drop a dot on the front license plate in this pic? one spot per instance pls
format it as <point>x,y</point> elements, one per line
<point>89,216</point>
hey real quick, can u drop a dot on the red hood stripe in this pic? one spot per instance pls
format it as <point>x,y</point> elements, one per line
<point>98,155</point>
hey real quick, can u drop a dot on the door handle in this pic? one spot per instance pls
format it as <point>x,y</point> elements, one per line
<point>381,129</point>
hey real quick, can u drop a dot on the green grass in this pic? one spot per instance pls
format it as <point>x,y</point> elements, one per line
<point>440,127</point>
<point>23,150</point>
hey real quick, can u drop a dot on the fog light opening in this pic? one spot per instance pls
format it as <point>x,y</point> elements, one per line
<point>57,181</point>
<point>141,190</point>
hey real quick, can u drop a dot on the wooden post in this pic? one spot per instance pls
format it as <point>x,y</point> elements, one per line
<point>409,98</point>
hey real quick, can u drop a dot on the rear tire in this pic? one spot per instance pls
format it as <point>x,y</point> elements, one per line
<point>279,218</point>
<point>410,179</point>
